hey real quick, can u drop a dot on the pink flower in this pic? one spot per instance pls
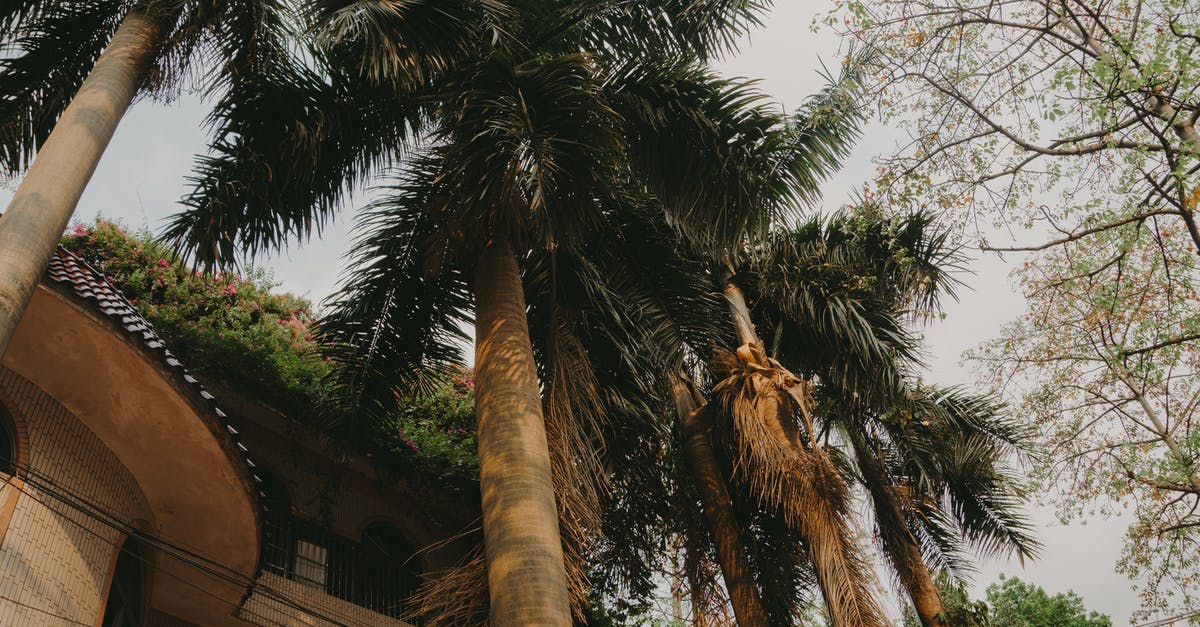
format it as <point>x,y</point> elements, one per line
<point>79,230</point>
<point>163,263</point>
<point>229,290</point>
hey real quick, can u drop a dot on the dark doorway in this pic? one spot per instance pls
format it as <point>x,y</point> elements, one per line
<point>124,607</point>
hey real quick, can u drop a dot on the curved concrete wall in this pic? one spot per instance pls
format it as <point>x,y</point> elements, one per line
<point>55,562</point>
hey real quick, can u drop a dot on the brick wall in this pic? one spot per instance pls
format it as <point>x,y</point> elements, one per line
<point>54,560</point>
<point>266,607</point>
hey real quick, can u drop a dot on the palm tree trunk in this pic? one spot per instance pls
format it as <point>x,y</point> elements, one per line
<point>718,508</point>
<point>527,581</point>
<point>40,210</point>
<point>898,542</point>
<point>739,311</point>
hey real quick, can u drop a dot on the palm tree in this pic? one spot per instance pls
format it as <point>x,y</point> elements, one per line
<point>725,185</point>
<point>934,468</point>
<point>833,295</point>
<point>105,53</point>
<point>932,461</point>
<point>515,151</point>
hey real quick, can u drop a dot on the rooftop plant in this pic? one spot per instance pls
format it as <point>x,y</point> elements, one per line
<point>220,323</point>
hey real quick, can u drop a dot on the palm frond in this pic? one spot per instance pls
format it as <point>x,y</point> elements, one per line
<point>397,321</point>
<point>289,144</point>
<point>670,29</point>
<point>531,146</point>
<point>775,457</point>
<point>42,67</point>
<point>457,595</point>
<point>15,14</point>
<point>708,148</point>
<point>405,42</point>
<point>222,42</point>
<point>953,448</point>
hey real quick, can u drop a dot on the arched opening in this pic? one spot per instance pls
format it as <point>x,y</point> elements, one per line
<point>392,566</point>
<point>278,543</point>
<point>126,600</point>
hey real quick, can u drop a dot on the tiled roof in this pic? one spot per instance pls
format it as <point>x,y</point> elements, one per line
<point>91,285</point>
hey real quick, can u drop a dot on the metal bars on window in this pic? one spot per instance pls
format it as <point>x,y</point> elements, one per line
<point>354,572</point>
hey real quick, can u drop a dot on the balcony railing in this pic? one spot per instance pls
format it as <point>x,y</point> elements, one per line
<point>372,574</point>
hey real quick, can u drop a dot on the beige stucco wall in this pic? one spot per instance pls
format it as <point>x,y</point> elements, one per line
<point>55,561</point>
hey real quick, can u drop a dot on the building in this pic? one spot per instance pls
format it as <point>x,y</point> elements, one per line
<point>128,496</point>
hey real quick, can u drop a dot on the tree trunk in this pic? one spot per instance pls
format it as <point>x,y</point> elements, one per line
<point>739,311</point>
<point>718,508</point>
<point>527,581</point>
<point>39,212</point>
<point>898,542</point>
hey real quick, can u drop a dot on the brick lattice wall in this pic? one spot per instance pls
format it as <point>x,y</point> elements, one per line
<point>267,609</point>
<point>55,561</point>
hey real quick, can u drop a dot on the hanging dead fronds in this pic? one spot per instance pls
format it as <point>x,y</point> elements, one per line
<point>574,412</point>
<point>766,425</point>
<point>456,596</point>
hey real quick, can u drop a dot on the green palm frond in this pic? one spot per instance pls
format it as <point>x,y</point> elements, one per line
<point>42,65</point>
<point>531,146</point>
<point>289,145</point>
<point>406,42</point>
<point>220,42</point>
<point>709,148</point>
<point>832,296</point>
<point>954,449</point>
<point>726,162</point>
<point>654,299</point>
<point>670,29</point>
<point>397,321</point>
<point>15,13</point>
<point>781,564</point>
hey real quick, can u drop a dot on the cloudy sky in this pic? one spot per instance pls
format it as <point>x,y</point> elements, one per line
<point>144,172</point>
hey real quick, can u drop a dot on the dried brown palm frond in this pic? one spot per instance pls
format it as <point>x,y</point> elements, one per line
<point>574,413</point>
<point>776,459</point>
<point>456,596</point>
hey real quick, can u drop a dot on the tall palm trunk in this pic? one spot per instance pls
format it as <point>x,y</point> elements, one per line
<point>718,508</point>
<point>46,199</point>
<point>898,542</point>
<point>527,581</point>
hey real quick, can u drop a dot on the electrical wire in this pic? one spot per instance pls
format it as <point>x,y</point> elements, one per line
<point>213,568</point>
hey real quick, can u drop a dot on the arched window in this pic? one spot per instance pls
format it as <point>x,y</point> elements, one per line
<point>389,566</point>
<point>125,602</point>
<point>278,534</point>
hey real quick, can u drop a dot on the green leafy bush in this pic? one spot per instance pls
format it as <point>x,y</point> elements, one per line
<point>220,324</point>
<point>234,328</point>
<point>439,428</point>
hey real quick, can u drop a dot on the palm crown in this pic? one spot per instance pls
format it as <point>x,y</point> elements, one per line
<point>515,150</point>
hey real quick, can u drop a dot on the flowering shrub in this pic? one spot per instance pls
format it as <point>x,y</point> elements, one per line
<point>439,428</point>
<point>220,324</point>
<point>234,328</point>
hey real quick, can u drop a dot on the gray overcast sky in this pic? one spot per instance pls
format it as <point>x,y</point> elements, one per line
<point>143,174</point>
